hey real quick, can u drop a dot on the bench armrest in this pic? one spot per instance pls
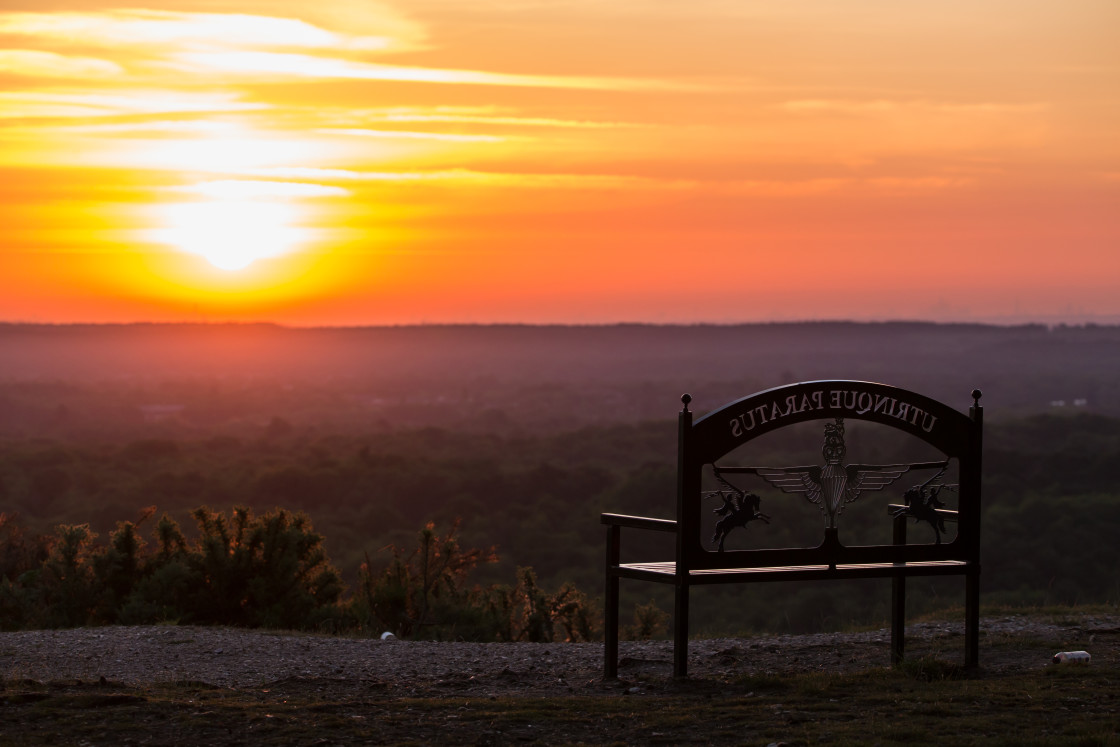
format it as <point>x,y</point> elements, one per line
<point>639,522</point>
<point>944,513</point>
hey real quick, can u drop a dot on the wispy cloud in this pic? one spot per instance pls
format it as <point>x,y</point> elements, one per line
<point>241,189</point>
<point>627,182</point>
<point>119,102</point>
<point>494,119</point>
<point>205,126</point>
<point>874,106</point>
<point>830,105</point>
<point>37,63</point>
<point>918,183</point>
<point>407,135</point>
<point>808,187</point>
<point>142,28</point>
<point>251,47</point>
<point>483,178</point>
<point>271,64</point>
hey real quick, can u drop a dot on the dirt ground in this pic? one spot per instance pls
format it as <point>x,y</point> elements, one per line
<point>170,685</point>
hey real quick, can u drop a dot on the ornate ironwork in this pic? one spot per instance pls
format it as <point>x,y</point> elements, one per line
<point>833,485</point>
<point>923,504</point>
<point>739,509</point>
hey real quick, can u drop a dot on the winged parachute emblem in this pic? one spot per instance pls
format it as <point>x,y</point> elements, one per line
<point>835,484</point>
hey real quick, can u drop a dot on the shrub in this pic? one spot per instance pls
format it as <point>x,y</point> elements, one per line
<point>268,571</point>
<point>424,594</point>
<point>418,591</point>
<point>650,621</point>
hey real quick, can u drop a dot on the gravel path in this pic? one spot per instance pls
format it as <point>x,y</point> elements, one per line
<point>225,657</point>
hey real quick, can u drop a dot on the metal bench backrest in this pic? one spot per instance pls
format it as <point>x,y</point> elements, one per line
<point>703,442</point>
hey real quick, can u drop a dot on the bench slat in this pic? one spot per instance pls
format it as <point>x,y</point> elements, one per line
<point>639,522</point>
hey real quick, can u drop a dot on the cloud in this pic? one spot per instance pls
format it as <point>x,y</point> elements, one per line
<point>803,187</point>
<point>537,180</point>
<point>480,178</point>
<point>51,65</point>
<point>849,106</point>
<point>493,119</point>
<point>115,103</point>
<point>241,189</point>
<point>828,105</point>
<point>254,47</point>
<point>157,126</point>
<point>140,28</point>
<point>276,64</point>
<point>917,183</point>
<point>404,134</point>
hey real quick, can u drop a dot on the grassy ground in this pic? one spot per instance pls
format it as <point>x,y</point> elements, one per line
<point>927,701</point>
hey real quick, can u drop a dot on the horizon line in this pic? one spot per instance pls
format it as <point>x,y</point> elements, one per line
<point>1048,321</point>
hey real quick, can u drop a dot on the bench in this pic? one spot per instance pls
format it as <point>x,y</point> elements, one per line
<point>953,439</point>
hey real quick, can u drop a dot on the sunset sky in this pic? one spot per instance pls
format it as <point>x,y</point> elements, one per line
<point>348,162</point>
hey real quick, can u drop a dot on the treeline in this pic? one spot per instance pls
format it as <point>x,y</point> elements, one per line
<point>1051,508</point>
<point>193,381</point>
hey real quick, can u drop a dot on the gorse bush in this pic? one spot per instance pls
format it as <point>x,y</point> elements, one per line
<point>526,612</point>
<point>270,571</point>
<point>19,553</point>
<point>419,591</point>
<point>650,621</point>
<point>424,594</point>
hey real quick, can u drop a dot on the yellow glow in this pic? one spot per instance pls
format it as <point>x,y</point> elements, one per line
<point>230,234</point>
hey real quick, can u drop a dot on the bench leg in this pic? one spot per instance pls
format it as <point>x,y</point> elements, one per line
<point>898,600</point>
<point>610,604</point>
<point>898,619</point>
<point>972,618</point>
<point>680,630</point>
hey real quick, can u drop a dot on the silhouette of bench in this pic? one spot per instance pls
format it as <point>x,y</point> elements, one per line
<point>709,492</point>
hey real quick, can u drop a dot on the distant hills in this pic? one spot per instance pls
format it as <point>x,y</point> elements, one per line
<point>598,373</point>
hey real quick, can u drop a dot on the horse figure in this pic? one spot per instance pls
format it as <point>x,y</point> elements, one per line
<point>739,509</point>
<point>922,504</point>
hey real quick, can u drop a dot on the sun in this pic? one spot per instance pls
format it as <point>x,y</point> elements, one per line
<point>230,234</point>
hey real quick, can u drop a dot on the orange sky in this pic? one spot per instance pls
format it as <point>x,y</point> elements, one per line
<point>353,162</point>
